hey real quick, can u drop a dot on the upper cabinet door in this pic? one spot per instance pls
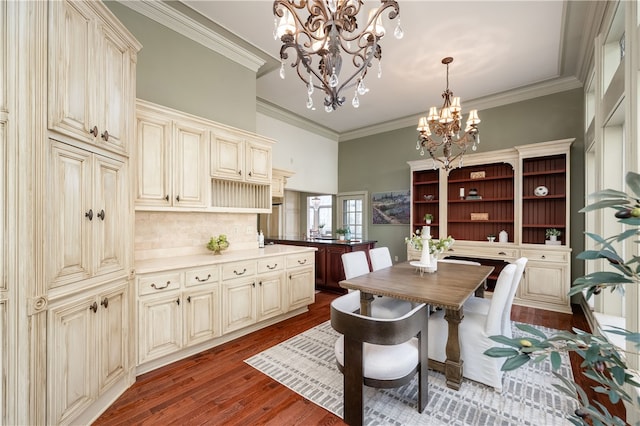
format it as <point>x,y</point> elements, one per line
<point>258,163</point>
<point>153,160</point>
<point>227,157</point>
<point>90,74</point>
<point>113,99</point>
<point>189,165</point>
<point>72,69</point>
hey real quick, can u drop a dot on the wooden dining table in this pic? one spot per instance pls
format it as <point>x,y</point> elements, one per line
<point>447,288</point>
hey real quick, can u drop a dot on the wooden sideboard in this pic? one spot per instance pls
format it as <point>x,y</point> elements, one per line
<point>329,270</point>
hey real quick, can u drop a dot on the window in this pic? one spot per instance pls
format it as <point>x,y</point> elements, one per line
<point>325,212</point>
<point>352,213</point>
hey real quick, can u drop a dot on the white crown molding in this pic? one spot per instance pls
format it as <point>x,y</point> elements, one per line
<point>517,95</point>
<point>173,19</point>
<point>288,117</point>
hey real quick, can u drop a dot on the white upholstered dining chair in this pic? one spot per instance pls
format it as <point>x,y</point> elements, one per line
<point>378,352</point>
<point>380,258</point>
<point>474,332</point>
<point>481,305</point>
<point>355,264</point>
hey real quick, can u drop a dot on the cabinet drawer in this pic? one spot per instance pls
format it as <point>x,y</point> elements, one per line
<point>159,283</point>
<point>201,276</point>
<point>487,252</point>
<point>238,270</point>
<point>300,259</point>
<point>545,256</point>
<point>270,264</point>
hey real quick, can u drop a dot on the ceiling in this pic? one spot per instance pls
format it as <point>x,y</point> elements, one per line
<point>498,47</point>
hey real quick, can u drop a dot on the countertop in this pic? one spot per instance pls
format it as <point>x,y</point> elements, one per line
<point>178,262</point>
<point>327,241</point>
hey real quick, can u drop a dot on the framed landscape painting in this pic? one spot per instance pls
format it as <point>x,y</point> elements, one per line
<point>390,208</point>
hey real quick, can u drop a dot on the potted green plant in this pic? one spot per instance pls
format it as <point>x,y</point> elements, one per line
<point>341,233</point>
<point>217,244</point>
<point>552,234</point>
<point>428,218</point>
<point>491,238</point>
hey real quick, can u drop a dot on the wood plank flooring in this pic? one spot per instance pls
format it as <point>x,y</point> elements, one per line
<point>216,387</point>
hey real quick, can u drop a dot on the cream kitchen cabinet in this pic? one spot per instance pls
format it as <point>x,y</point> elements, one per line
<point>271,300</point>
<point>87,346</point>
<point>278,182</point>
<point>171,159</point>
<point>88,209</point>
<point>300,279</point>
<point>172,315</point>
<point>92,77</point>
<point>546,280</point>
<point>240,157</point>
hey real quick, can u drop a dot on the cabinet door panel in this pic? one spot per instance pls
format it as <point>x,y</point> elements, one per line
<point>71,349</point>
<point>189,166</point>
<point>301,288</point>
<point>72,71</point>
<point>69,250</point>
<point>112,337</point>
<point>110,209</point>
<point>238,304</point>
<point>270,296</point>
<point>153,161</point>
<point>202,315</point>
<point>227,157</point>
<point>160,327</point>
<point>258,163</point>
<point>113,95</point>
<point>545,283</point>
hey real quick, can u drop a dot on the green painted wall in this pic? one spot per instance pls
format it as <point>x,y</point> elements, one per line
<point>379,163</point>
<point>177,72</point>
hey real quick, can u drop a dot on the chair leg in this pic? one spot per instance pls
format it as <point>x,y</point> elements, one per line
<point>423,370</point>
<point>353,382</point>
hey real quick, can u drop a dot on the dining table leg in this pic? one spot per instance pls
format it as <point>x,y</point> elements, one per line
<point>365,303</point>
<point>453,363</point>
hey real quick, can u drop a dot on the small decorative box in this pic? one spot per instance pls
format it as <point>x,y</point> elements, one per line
<point>479,216</point>
<point>477,175</point>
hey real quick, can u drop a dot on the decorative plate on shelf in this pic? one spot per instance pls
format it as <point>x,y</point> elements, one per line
<point>541,191</point>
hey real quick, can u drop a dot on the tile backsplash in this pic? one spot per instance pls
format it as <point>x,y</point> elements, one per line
<point>167,234</point>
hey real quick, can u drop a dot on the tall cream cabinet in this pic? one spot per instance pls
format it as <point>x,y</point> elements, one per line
<point>188,163</point>
<point>519,192</point>
<point>90,210</point>
<point>67,99</point>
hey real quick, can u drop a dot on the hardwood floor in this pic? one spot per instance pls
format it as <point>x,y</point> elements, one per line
<point>217,387</point>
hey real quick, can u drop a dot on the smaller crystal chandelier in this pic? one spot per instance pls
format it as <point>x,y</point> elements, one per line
<point>446,125</point>
<point>320,39</point>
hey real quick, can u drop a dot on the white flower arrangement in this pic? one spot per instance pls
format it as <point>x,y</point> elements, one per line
<point>436,246</point>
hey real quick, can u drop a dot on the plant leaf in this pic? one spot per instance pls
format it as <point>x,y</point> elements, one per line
<point>515,362</point>
<point>605,203</point>
<point>500,352</point>
<point>632,180</point>
<point>556,361</point>
<point>531,330</point>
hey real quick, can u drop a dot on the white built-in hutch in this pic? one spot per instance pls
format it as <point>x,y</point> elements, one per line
<point>503,198</point>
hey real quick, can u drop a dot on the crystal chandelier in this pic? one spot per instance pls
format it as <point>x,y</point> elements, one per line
<point>446,125</point>
<point>320,39</point>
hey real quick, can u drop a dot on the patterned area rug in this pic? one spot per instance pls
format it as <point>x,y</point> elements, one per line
<point>306,364</point>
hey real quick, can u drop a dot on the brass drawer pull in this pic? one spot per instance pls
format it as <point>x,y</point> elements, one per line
<point>153,285</point>
<point>272,267</point>
<point>502,253</point>
<point>203,280</point>
<point>240,273</point>
<point>302,262</point>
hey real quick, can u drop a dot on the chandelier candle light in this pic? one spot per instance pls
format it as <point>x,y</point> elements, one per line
<point>446,126</point>
<point>320,39</point>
